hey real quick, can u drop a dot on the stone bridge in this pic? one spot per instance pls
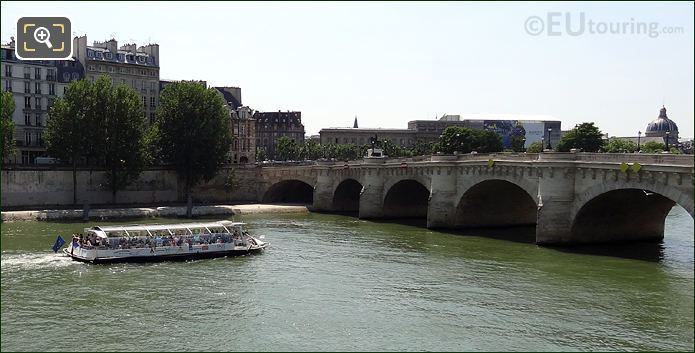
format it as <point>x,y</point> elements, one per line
<point>570,197</point>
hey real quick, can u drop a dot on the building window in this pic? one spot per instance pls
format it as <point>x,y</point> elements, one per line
<point>75,76</point>
<point>27,119</point>
<point>66,76</point>
<point>8,70</point>
<point>152,118</point>
<point>51,74</point>
<point>27,72</point>
<point>38,120</point>
<point>38,102</point>
<point>52,89</point>
<point>152,102</point>
<point>8,86</point>
<point>90,67</point>
<point>27,87</point>
<point>27,138</point>
<point>101,68</point>
<point>99,55</point>
<point>27,102</point>
<point>37,73</point>
<point>109,55</point>
<point>37,87</point>
<point>144,101</point>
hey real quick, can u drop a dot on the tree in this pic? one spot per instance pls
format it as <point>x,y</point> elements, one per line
<point>8,107</point>
<point>260,154</point>
<point>103,125</point>
<point>193,133</point>
<point>619,146</point>
<point>125,141</point>
<point>517,143</point>
<point>465,140</point>
<point>67,133</point>
<point>652,147</point>
<point>585,136</point>
<point>286,149</point>
<point>536,147</point>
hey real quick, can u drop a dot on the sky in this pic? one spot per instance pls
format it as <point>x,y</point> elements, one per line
<point>389,63</point>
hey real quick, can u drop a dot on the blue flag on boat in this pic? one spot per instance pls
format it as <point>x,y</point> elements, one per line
<point>59,243</point>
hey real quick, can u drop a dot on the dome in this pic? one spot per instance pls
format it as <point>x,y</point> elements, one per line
<point>662,124</point>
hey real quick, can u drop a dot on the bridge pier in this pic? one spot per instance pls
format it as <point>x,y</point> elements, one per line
<point>555,200</point>
<point>372,195</point>
<point>441,210</point>
<point>323,192</point>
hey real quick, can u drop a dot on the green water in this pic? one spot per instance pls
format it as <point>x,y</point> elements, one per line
<point>338,283</point>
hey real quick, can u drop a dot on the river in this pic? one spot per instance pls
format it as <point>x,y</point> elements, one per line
<point>330,282</point>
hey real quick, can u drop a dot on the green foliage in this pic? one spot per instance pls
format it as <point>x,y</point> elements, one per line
<point>619,146</point>
<point>310,150</point>
<point>193,131</point>
<point>7,124</point>
<point>652,147</point>
<point>517,143</point>
<point>230,181</point>
<point>286,149</point>
<point>465,140</point>
<point>124,147</point>
<point>536,147</point>
<point>585,136</point>
<point>103,124</point>
<point>260,154</point>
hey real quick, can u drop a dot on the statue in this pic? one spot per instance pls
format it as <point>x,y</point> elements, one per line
<point>374,141</point>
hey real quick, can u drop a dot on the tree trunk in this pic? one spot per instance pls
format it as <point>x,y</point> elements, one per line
<point>113,185</point>
<point>189,199</point>
<point>74,181</point>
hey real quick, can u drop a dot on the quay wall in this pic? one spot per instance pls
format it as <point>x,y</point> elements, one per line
<point>53,187</point>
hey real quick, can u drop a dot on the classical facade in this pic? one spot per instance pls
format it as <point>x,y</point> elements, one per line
<point>362,136</point>
<point>270,126</point>
<point>244,131</point>
<point>34,85</point>
<point>137,67</point>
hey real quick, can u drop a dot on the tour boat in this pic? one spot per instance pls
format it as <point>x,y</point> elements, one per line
<point>144,243</point>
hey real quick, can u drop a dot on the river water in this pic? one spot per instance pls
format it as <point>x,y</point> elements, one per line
<point>331,282</point>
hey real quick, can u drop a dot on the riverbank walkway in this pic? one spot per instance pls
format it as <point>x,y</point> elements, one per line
<point>101,212</point>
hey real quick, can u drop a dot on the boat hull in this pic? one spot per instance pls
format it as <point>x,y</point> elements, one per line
<point>165,257</point>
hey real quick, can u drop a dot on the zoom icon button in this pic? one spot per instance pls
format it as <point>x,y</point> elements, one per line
<point>43,38</point>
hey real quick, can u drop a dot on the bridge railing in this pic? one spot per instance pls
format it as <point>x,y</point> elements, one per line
<point>642,158</point>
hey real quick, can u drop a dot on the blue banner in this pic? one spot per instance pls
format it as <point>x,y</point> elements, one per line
<point>59,243</point>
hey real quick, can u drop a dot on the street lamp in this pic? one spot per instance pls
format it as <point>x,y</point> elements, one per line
<point>667,137</point>
<point>550,129</point>
<point>639,136</point>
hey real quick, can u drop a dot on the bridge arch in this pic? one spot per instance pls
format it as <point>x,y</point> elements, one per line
<point>495,203</point>
<point>346,196</point>
<point>606,214</point>
<point>406,198</point>
<point>289,191</point>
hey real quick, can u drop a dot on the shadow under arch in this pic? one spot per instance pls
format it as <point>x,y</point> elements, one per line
<point>346,197</point>
<point>495,203</point>
<point>290,191</point>
<point>621,215</point>
<point>406,199</point>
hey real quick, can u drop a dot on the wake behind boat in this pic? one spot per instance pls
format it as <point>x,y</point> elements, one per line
<point>143,243</point>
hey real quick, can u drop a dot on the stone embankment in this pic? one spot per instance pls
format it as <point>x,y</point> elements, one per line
<point>146,212</point>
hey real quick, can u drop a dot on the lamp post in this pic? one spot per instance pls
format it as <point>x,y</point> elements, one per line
<point>542,143</point>
<point>639,136</point>
<point>523,144</point>
<point>550,130</point>
<point>667,138</point>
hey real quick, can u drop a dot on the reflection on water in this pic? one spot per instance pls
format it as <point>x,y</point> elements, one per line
<point>331,282</point>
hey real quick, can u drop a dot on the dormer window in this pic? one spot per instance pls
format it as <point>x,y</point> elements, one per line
<point>121,57</point>
<point>99,55</point>
<point>109,56</point>
<point>90,53</point>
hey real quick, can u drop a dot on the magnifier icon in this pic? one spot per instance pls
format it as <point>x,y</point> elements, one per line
<point>43,36</point>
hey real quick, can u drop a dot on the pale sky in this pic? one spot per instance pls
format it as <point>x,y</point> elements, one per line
<point>388,63</point>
